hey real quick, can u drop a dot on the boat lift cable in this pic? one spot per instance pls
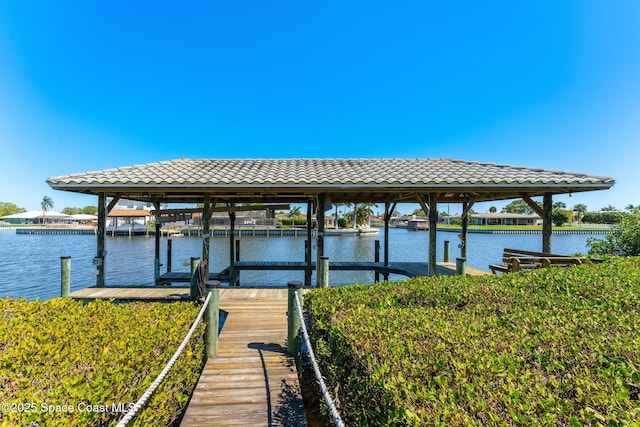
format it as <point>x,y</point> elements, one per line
<point>335,415</point>
<point>147,394</point>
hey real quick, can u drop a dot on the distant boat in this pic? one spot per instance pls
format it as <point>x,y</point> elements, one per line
<point>351,232</point>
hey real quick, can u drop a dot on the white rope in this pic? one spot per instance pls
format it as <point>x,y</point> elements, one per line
<point>147,394</point>
<point>337,420</point>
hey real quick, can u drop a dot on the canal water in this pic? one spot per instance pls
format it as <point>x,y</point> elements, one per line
<point>30,264</point>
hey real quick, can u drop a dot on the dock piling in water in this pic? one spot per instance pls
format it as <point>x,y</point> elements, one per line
<point>193,294</point>
<point>376,258</point>
<point>169,255</point>
<point>65,276</point>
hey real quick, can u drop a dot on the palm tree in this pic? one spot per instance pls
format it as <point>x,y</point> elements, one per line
<point>580,209</point>
<point>47,204</point>
<point>294,212</point>
<point>493,209</point>
<point>367,211</point>
<point>355,209</point>
<point>336,217</point>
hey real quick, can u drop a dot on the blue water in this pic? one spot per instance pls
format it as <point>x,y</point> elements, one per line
<point>30,265</point>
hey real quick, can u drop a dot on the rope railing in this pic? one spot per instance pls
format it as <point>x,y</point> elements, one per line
<point>147,394</point>
<point>335,415</point>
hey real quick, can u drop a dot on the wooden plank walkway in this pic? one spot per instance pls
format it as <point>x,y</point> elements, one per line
<point>409,269</point>
<point>185,277</point>
<point>252,381</point>
<point>161,293</point>
<point>141,293</point>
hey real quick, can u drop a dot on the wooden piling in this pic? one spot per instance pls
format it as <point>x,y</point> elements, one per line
<point>294,321</point>
<point>65,276</point>
<point>433,226</point>
<point>322,273</point>
<point>547,222</point>
<point>464,229</point>
<point>206,229</point>
<point>376,258</point>
<point>169,255</point>
<point>156,271</point>
<point>308,248</point>
<point>461,266</point>
<point>157,238</point>
<point>447,244</point>
<point>101,232</point>
<point>212,319</point>
<point>232,237</point>
<point>193,294</point>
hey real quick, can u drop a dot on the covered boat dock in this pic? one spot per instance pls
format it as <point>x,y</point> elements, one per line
<point>230,184</point>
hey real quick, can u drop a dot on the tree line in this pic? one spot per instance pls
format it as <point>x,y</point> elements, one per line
<point>46,204</point>
<point>560,213</point>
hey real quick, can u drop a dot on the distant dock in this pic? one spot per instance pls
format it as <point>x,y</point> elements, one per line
<point>584,231</point>
<point>187,232</point>
<point>56,231</point>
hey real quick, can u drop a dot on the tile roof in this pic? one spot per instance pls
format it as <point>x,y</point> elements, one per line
<point>325,172</point>
<point>328,174</point>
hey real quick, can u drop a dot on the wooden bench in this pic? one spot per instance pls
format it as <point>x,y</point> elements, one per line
<point>517,260</point>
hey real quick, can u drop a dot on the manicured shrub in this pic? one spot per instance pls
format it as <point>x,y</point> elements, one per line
<point>67,363</point>
<point>545,347</point>
<point>296,222</point>
<point>602,217</point>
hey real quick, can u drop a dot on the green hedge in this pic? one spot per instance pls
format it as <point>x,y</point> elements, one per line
<point>67,363</point>
<point>545,347</point>
<point>602,217</point>
<point>296,222</point>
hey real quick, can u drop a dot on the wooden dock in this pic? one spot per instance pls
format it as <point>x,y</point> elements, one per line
<point>177,293</point>
<point>139,293</point>
<point>408,269</point>
<point>252,381</point>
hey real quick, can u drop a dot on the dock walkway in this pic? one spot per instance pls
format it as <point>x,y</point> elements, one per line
<point>408,269</point>
<point>252,381</point>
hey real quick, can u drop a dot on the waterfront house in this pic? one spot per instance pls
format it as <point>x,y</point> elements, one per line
<point>37,217</point>
<point>495,219</point>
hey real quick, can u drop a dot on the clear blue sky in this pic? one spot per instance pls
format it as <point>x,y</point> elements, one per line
<point>94,85</point>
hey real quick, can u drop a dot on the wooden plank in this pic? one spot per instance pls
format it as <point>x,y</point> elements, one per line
<point>138,293</point>
<point>252,380</point>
